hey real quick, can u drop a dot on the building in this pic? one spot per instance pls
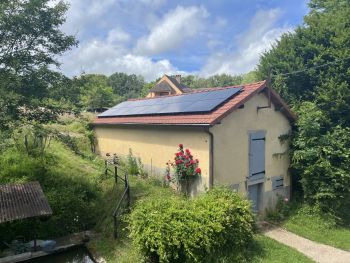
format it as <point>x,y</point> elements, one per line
<point>235,132</point>
<point>168,85</point>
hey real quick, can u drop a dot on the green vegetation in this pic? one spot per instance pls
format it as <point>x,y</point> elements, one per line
<point>317,54</point>
<point>123,250</point>
<point>30,43</point>
<point>70,183</point>
<point>271,251</point>
<point>177,229</point>
<point>313,224</point>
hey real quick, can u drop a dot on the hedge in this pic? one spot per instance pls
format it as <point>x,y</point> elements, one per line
<point>199,230</point>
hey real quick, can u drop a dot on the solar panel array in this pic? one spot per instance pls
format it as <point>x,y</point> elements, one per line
<point>186,103</point>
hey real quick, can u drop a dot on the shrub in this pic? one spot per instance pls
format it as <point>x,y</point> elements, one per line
<point>198,230</point>
<point>281,211</point>
<point>134,165</point>
<point>322,160</point>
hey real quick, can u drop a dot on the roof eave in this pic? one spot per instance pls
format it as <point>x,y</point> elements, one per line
<point>155,124</point>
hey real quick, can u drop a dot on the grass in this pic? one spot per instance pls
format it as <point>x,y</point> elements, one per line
<point>312,225</point>
<point>70,182</point>
<point>270,251</point>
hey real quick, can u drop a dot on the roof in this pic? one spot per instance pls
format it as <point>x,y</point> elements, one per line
<point>19,201</point>
<point>164,86</point>
<point>203,119</point>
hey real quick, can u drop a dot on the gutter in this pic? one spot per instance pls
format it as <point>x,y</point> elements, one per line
<point>211,157</point>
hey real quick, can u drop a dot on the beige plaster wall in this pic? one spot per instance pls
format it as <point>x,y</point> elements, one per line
<point>155,145</point>
<point>231,146</point>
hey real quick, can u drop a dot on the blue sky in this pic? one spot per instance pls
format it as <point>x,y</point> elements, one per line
<point>154,37</point>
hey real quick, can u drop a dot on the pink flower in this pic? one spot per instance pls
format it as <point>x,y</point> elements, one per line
<point>198,170</point>
<point>181,146</point>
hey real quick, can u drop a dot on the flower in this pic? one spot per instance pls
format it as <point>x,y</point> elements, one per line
<point>181,145</point>
<point>168,177</point>
<point>286,200</point>
<point>192,162</point>
<point>198,170</point>
<point>197,161</point>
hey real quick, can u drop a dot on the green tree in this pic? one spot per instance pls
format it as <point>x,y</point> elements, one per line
<point>95,92</point>
<point>127,86</point>
<point>30,42</point>
<point>221,80</point>
<point>316,58</point>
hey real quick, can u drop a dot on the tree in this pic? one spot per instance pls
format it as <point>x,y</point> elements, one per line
<point>30,42</point>
<point>222,80</point>
<point>316,58</point>
<point>127,86</point>
<point>95,92</point>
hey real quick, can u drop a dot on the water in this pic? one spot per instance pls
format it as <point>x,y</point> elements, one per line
<point>77,255</point>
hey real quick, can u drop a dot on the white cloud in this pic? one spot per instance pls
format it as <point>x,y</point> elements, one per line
<point>175,27</point>
<point>107,57</point>
<point>117,35</point>
<point>82,13</point>
<point>257,39</point>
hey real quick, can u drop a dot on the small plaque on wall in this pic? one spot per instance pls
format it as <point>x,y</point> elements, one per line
<point>277,182</point>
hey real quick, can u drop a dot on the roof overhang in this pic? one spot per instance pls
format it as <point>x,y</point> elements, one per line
<point>19,201</point>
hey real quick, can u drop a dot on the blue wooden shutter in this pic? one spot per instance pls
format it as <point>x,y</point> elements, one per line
<point>257,155</point>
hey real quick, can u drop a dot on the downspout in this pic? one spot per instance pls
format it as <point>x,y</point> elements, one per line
<point>211,157</point>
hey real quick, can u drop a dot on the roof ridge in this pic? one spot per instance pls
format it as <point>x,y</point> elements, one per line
<point>200,90</point>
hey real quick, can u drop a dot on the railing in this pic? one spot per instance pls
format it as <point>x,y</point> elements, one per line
<point>124,201</point>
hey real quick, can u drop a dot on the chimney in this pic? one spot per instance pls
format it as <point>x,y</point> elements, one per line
<point>178,78</point>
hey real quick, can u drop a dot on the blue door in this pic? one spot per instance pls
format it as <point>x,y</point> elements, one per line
<point>256,168</point>
<point>256,156</point>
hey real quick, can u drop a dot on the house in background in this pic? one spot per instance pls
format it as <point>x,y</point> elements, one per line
<point>168,85</point>
<point>235,132</point>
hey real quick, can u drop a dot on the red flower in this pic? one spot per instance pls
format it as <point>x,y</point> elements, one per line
<point>187,151</point>
<point>181,146</point>
<point>187,165</point>
<point>198,170</point>
<point>192,162</point>
<point>197,161</point>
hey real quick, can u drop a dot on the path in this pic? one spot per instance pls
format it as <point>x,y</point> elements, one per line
<point>316,251</point>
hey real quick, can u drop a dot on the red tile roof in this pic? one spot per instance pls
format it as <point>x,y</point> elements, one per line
<point>210,118</point>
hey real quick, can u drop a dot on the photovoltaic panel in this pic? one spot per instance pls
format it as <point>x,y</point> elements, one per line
<point>186,103</point>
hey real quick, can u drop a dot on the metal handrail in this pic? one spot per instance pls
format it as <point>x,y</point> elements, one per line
<point>126,194</point>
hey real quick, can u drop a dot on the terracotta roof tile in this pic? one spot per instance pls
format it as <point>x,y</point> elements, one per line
<point>210,118</point>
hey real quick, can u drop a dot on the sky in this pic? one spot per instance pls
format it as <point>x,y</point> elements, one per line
<point>156,37</point>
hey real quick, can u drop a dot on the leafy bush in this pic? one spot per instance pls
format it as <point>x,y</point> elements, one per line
<point>281,211</point>
<point>322,158</point>
<point>198,230</point>
<point>134,165</point>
